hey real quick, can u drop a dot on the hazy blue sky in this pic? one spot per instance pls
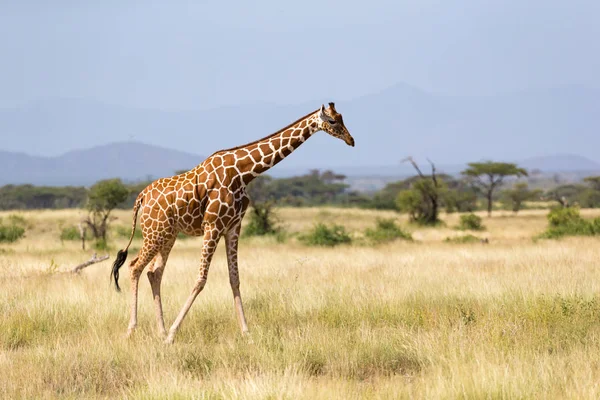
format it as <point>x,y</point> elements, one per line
<point>194,54</point>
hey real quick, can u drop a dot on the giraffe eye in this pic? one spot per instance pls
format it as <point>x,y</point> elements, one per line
<point>332,122</point>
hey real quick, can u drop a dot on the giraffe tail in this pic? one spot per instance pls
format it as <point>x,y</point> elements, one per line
<point>122,254</point>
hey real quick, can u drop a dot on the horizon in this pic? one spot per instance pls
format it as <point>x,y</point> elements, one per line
<point>201,157</point>
<point>451,82</point>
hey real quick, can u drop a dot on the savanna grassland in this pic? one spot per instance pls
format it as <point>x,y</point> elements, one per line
<point>514,318</point>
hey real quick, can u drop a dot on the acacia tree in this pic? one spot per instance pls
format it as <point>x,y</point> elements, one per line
<point>489,175</point>
<point>519,194</point>
<point>593,181</point>
<point>565,195</point>
<point>103,197</point>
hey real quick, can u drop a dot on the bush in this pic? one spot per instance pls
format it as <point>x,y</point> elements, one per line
<point>101,244</point>
<point>70,233</point>
<point>564,216</point>
<point>470,222</point>
<point>261,221</point>
<point>567,222</point>
<point>463,239</point>
<point>386,230</point>
<point>323,235</point>
<point>11,233</point>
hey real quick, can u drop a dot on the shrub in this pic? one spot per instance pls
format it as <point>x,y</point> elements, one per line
<point>261,221</point>
<point>567,222</point>
<point>11,233</point>
<point>564,216</point>
<point>470,222</point>
<point>70,233</point>
<point>101,244</point>
<point>463,239</point>
<point>323,235</point>
<point>386,230</point>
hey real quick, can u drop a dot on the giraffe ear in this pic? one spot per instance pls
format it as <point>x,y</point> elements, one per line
<point>332,106</point>
<point>322,114</point>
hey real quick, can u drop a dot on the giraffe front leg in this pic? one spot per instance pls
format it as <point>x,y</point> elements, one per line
<point>211,238</point>
<point>232,240</point>
<point>155,278</point>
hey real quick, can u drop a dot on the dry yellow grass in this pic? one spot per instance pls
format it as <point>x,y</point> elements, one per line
<point>510,319</point>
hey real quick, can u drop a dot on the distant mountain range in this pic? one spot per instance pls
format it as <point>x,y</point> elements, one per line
<point>130,161</point>
<point>135,161</point>
<point>559,126</point>
<point>388,126</point>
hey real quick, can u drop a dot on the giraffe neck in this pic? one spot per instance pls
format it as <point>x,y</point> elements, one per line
<point>257,157</point>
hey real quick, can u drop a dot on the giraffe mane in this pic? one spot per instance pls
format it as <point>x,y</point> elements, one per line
<point>268,136</point>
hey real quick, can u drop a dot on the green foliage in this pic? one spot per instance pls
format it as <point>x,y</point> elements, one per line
<point>101,244</point>
<point>453,194</point>
<point>519,194</point>
<point>566,194</point>
<point>461,199</point>
<point>465,239</point>
<point>589,198</point>
<point>409,201</point>
<point>560,216</point>
<point>566,221</point>
<point>386,198</point>
<point>422,201</point>
<point>11,232</point>
<point>323,235</point>
<point>261,221</point>
<point>495,169</point>
<point>70,233</point>
<point>470,222</point>
<point>314,188</point>
<point>593,181</point>
<point>106,195</point>
<point>487,176</point>
<point>124,232</point>
<point>385,231</point>
<point>28,197</point>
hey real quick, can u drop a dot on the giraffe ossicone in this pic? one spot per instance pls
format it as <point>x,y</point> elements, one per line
<point>210,200</point>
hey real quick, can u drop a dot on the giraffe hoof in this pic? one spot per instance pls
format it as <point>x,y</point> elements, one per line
<point>169,340</point>
<point>247,336</point>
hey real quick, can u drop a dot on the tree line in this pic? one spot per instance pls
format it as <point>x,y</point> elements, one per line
<point>480,186</point>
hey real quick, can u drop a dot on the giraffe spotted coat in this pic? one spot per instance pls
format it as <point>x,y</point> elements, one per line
<point>210,200</point>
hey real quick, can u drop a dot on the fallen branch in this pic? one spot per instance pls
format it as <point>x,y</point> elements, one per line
<point>91,261</point>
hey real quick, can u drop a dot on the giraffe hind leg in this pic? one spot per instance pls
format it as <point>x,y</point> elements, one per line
<point>135,270</point>
<point>155,277</point>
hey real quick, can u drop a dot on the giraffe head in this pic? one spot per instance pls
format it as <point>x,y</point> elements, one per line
<point>331,122</point>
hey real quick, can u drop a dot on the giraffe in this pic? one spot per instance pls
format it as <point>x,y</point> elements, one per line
<point>210,201</point>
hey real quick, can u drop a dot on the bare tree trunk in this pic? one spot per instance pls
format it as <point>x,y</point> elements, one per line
<point>489,199</point>
<point>91,261</point>
<point>82,234</point>
<point>431,216</point>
